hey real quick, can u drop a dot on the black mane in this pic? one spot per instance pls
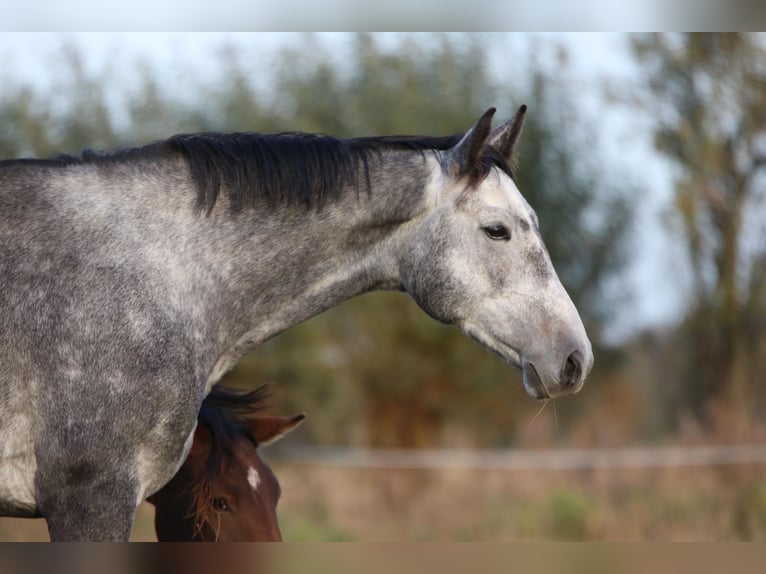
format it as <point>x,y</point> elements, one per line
<point>286,168</point>
<point>283,168</point>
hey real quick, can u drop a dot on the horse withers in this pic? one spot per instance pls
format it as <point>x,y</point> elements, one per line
<point>224,491</point>
<point>131,281</point>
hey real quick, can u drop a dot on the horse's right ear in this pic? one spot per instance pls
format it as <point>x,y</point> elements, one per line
<point>266,430</point>
<point>464,157</point>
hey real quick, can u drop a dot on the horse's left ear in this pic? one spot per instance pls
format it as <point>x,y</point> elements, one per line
<point>465,156</point>
<point>266,430</point>
<point>504,137</point>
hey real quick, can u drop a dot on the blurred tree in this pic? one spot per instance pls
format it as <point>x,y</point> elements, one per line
<point>23,117</point>
<point>73,116</point>
<point>707,95</point>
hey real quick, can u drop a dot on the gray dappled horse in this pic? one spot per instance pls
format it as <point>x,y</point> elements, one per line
<point>130,282</point>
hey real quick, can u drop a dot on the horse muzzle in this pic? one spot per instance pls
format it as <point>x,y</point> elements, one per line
<point>567,379</point>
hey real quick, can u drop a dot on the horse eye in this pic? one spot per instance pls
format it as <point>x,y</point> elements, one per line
<point>497,232</point>
<point>220,504</point>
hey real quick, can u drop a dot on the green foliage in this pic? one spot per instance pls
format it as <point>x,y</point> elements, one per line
<point>418,88</point>
<point>567,515</point>
<point>750,512</point>
<point>313,524</point>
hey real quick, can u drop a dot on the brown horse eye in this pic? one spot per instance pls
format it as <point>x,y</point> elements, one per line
<point>220,504</point>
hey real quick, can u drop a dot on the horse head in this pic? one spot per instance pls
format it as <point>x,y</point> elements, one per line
<point>477,259</point>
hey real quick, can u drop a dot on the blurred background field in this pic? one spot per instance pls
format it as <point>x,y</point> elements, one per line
<point>326,503</point>
<point>644,157</point>
<point>490,505</point>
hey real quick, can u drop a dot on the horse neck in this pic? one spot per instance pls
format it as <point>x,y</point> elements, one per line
<point>291,264</point>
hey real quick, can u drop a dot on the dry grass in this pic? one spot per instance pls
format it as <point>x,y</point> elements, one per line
<point>658,504</point>
<point>326,503</point>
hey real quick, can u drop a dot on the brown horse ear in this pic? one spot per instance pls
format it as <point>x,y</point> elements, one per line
<point>464,157</point>
<point>266,430</point>
<point>504,137</point>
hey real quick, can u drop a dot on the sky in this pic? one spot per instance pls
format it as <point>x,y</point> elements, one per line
<point>405,15</point>
<point>653,278</point>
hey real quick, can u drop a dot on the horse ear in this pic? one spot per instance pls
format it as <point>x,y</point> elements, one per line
<point>463,158</point>
<point>266,430</point>
<point>504,137</point>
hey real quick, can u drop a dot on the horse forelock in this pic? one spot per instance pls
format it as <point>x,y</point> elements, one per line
<point>490,159</point>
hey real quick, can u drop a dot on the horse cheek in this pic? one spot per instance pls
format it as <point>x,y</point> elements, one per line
<point>430,282</point>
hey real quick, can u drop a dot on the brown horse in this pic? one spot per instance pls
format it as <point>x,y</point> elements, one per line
<point>224,491</point>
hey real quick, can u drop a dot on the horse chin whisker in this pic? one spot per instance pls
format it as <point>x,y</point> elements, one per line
<point>198,530</point>
<point>217,530</point>
<point>542,408</point>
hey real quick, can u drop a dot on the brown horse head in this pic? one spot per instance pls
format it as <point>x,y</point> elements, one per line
<point>224,491</point>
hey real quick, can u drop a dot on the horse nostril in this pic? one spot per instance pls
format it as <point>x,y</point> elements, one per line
<point>570,373</point>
